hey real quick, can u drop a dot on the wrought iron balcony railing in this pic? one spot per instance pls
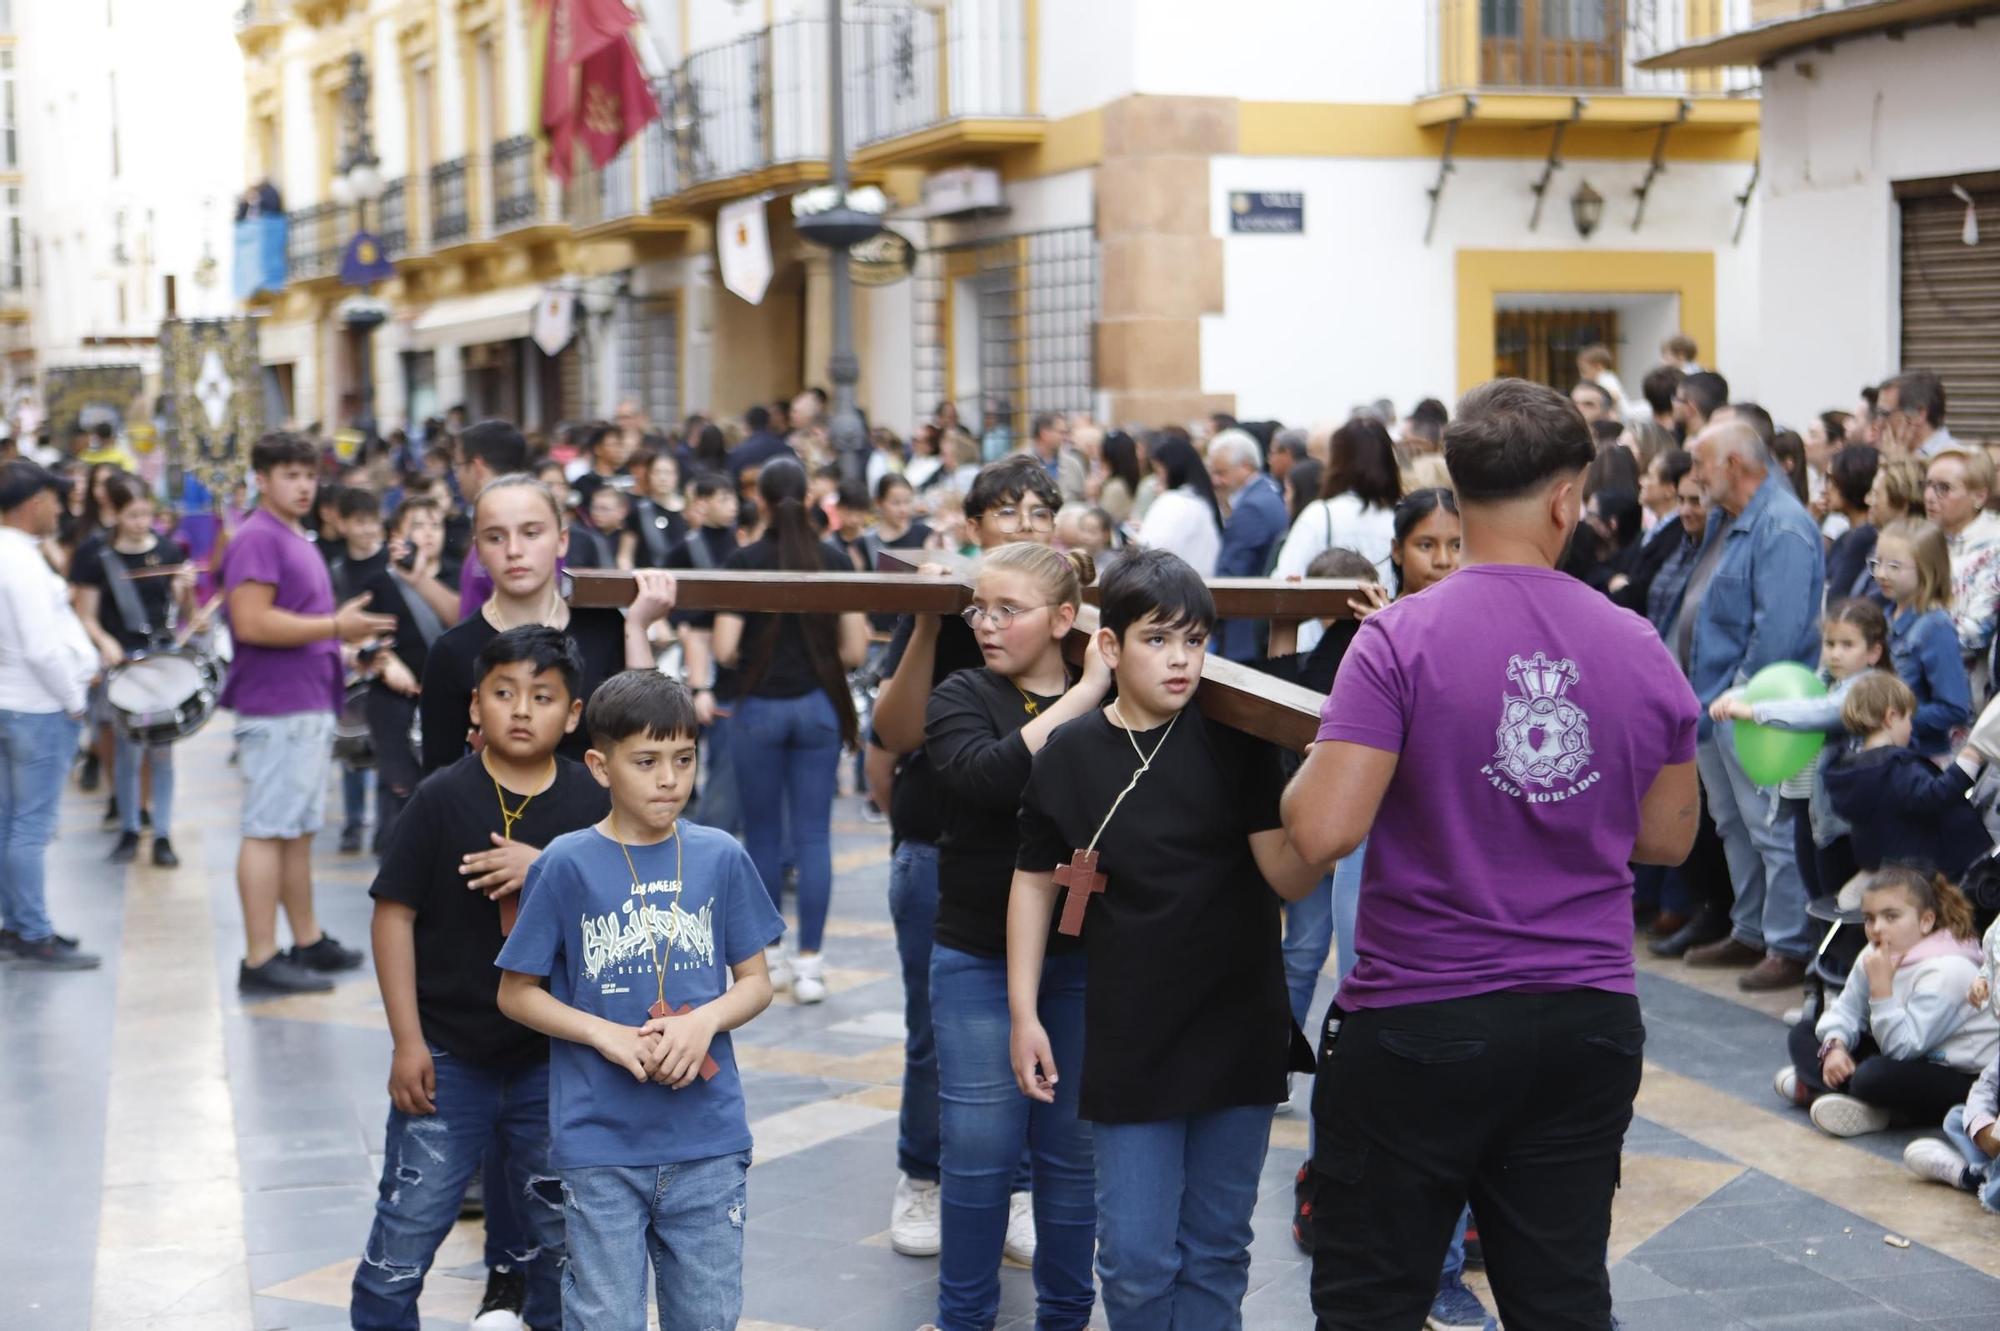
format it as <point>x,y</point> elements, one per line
<point>1581,46</point>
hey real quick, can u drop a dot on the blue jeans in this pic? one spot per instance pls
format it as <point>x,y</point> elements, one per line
<point>125,779</point>
<point>1174,1199</point>
<point>1770,909</point>
<point>720,806</point>
<point>35,753</point>
<point>984,1121</point>
<point>913,906</point>
<point>1986,1177</point>
<point>353,797</point>
<point>687,1217</point>
<point>427,1162</point>
<point>791,746</point>
<point>1317,924</point>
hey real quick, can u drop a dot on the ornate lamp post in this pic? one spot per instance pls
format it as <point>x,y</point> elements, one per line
<point>838,218</point>
<point>357,184</point>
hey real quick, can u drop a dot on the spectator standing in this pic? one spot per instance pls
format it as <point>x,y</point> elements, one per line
<point>1049,442</point>
<point>1699,396</point>
<point>1250,534</point>
<point>46,662</point>
<point>1850,476</point>
<point>1957,484</point>
<point>1910,408</point>
<point>1752,600</point>
<point>1185,518</point>
<point>1356,509</point>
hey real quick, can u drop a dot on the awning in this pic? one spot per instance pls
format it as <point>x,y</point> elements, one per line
<point>491,316</point>
<point>1765,42</point>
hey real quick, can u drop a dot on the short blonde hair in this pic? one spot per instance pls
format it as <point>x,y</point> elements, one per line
<point>1870,700</point>
<point>1903,482</point>
<point>1978,466</point>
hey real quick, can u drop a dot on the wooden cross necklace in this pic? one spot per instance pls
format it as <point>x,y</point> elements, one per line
<point>1081,875</point>
<point>709,1067</point>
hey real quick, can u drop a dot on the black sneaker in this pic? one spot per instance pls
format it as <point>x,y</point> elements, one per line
<point>279,975</point>
<point>145,817</point>
<point>10,943</point>
<point>472,1206</point>
<point>55,953</point>
<point>326,955</point>
<point>506,1291</point>
<point>111,812</point>
<point>127,848</point>
<point>86,780</point>
<point>1475,1252</point>
<point>163,854</point>
<point>350,841</point>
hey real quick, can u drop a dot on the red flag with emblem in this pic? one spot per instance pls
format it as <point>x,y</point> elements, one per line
<point>592,85</point>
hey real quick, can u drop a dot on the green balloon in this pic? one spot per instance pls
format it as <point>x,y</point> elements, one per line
<point>1770,756</point>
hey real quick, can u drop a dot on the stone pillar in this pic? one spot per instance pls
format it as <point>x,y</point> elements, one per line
<point>1160,266</point>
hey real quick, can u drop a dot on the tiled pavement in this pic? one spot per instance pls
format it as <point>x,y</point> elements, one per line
<point>176,1159</point>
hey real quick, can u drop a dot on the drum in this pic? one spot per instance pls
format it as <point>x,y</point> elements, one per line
<point>161,696</point>
<point>352,744</point>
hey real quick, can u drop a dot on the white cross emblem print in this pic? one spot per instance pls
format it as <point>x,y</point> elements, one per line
<point>1544,737</point>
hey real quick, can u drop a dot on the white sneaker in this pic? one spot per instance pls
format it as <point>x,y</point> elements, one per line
<point>1020,1245</point>
<point>913,1218</point>
<point>1794,1015</point>
<point>1845,1116</point>
<point>1285,1105</point>
<point>808,980</point>
<point>1786,1084</point>
<point>1927,1157</point>
<point>780,967</point>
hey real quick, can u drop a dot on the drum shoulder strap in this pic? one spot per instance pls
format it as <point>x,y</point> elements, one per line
<point>124,595</point>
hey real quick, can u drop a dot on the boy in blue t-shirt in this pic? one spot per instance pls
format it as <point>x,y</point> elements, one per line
<point>633,921</point>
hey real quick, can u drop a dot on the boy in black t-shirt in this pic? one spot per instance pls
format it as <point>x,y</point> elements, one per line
<point>463,1076</point>
<point>1166,827</point>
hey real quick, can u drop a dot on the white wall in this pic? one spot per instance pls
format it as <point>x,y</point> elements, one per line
<point>1871,112</point>
<point>1358,307</point>
<point>1088,53</point>
<point>1278,50</point>
<point>179,165</point>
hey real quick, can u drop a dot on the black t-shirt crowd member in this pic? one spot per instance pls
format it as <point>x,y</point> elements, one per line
<point>706,548</point>
<point>972,738</point>
<point>913,800</point>
<point>446,704</point>
<point>156,594</point>
<point>1185,1009</point>
<point>458,929</point>
<point>788,673</point>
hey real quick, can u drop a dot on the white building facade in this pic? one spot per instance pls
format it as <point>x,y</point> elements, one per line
<point>1148,209</point>
<point>123,131</point>
<point>1874,117</point>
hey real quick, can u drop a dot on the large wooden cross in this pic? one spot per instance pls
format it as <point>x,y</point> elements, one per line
<point>1236,695</point>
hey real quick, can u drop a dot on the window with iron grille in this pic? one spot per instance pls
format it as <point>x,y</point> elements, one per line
<point>1036,296</point>
<point>650,357</point>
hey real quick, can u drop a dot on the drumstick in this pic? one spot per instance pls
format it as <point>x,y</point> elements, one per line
<point>181,639</point>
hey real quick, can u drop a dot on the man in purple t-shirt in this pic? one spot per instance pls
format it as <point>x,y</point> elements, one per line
<point>1515,742</point>
<point>285,687</point>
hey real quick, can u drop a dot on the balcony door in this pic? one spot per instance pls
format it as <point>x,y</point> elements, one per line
<point>1552,43</point>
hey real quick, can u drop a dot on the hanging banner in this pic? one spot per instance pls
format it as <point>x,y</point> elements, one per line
<point>554,320</point>
<point>743,248</point>
<point>363,263</point>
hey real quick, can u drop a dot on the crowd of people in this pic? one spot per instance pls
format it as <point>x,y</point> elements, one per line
<point>1102,1008</point>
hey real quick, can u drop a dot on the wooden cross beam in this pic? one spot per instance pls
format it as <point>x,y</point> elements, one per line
<point>1236,695</point>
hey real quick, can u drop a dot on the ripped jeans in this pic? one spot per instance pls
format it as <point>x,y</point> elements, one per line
<point>427,1161</point>
<point>687,1217</point>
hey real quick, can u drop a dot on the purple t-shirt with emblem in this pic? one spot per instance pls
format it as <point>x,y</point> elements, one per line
<point>1531,716</point>
<point>278,681</point>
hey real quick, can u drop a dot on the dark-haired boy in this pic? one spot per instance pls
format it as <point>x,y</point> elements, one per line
<point>284,685</point>
<point>1165,827</point>
<point>360,557</point>
<point>463,1076</point>
<point>1013,499</point>
<point>633,922</point>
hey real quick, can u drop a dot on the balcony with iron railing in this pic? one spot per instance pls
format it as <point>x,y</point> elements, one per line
<point>925,84</point>
<point>315,237</point>
<point>1533,61</point>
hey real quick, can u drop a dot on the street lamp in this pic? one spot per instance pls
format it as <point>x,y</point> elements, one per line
<point>838,218</point>
<point>357,184</point>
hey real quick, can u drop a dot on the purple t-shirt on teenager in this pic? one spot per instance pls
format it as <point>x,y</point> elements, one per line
<point>1531,716</point>
<point>278,681</point>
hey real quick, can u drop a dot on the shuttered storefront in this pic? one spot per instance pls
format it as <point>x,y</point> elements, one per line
<point>1951,297</point>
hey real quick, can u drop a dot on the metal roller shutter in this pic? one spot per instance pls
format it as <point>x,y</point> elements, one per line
<point>1951,299</point>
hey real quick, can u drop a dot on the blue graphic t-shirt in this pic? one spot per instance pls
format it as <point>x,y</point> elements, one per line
<point>594,935</point>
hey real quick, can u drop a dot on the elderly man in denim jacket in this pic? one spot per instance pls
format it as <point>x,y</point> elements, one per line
<point>1753,598</point>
